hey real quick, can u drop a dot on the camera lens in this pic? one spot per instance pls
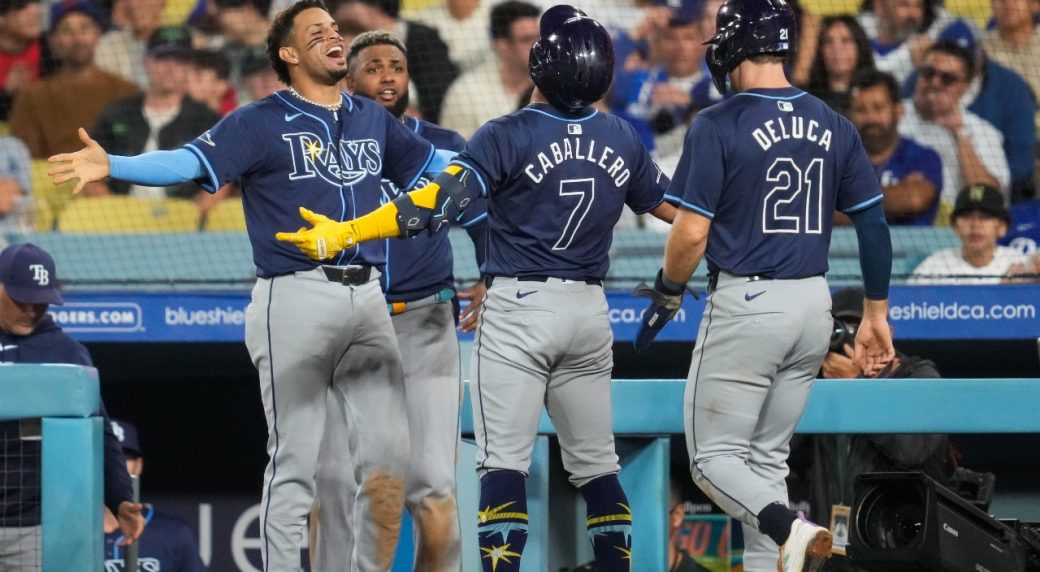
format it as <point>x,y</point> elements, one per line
<point>891,518</point>
<point>843,333</point>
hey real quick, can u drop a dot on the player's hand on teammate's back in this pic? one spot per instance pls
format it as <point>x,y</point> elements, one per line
<point>665,300</point>
<point>89,164</point>
<point>475,295</point>
<point>874,348</point>
<point>131,522</point>
<point>324,240</point>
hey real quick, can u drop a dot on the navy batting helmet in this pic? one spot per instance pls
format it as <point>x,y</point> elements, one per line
<point>744,28</point>
<point>572,63</point>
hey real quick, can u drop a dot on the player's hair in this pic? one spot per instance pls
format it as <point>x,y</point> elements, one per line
<point>819,77</point>
<point>503,15</point>
<point>212,60</point>
<point>868,78</point>
<point>373,38</point>
<point>281,30</point>
<point>951,47</point>
<point>767,58</point>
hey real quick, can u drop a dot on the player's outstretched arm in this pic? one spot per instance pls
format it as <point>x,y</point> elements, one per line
<point>90,164</point>
<point>407,215</point>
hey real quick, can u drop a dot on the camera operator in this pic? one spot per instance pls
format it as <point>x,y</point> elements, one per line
<point>836,460</point>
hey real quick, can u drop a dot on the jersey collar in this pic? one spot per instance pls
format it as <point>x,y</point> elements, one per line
<point>546,109</point>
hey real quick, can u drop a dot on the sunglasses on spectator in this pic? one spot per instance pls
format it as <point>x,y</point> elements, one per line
<point>928,73</point>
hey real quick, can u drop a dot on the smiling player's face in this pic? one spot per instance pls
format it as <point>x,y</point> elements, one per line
<point>317,44</point>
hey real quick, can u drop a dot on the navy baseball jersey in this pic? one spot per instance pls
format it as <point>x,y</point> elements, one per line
<point>421,266</point>
<point>166,545</point>
<point>746,166</point>
<point>289,153</point>
<point>910,157</point>
<point>556,188</point>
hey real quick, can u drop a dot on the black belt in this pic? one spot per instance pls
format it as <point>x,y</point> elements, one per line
<point>350,276</point>
<point>490,278</point>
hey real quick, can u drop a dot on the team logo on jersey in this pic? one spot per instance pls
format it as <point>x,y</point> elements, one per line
<point>207,139</point>
<point>348,165</point>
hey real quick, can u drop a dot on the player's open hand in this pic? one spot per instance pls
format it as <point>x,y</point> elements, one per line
<point>324,240</point>
<point>131,521</point>
<point>874,348</point>
<point>475,295</point>
<point>89,164</point>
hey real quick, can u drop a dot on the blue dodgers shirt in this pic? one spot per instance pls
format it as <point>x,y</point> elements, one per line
<point>288,153</point>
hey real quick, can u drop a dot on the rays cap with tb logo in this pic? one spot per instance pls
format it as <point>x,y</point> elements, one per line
<point>28,275</point>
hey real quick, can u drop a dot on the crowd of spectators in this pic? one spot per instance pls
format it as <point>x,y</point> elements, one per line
<point>942,102</point>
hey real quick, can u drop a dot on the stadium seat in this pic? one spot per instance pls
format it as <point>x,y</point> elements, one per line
<point>121,214</point>
<point>226,216</point>
<point>49,199</point>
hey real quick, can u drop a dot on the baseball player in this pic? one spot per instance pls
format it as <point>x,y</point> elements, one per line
<point>418,283</point>
<point>309,327</point>
<point>760,176</point>
<point>168,543</point>
<point>557,175</point>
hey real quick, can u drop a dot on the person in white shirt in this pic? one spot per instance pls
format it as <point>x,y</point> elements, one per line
<point>494,88</point>
<point>979,219</point>
<point>971,149</point>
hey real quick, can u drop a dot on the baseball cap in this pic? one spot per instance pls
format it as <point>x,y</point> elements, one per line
<point>127,435</point>
<point>170,41</point>
<point>66,7</point>
<point>848,303</point>
<point>255,60</point>
<point>685,12</point>
<point>960,33</point>
<point>982,198</point>
<point>28,275</point>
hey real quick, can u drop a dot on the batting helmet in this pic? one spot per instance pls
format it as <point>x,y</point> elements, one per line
<point>572,63</point>
<point>744,28</point>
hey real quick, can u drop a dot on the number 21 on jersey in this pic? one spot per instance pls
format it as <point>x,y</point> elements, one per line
<point>795,203</point>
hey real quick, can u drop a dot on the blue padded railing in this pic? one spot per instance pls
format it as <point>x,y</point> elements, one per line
<point>66,397</point>
<point>648,413</point>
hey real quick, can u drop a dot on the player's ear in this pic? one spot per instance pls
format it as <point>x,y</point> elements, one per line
<point>288,55</point>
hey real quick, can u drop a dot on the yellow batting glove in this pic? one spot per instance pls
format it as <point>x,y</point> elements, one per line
<point>325,239</point>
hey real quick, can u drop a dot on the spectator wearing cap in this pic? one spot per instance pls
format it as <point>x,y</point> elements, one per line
<point>1015,41</point>
<point>429,64</point>
<point>209,82</point>
<point>121,51</point>
<point>1001,97</point>
<point>167,544</point>
<point>162,118</point>
<point>979,218</point>
<point>971,148</point>
<point>46,114</point>
<point>28,334</point>
<point>20,49</point>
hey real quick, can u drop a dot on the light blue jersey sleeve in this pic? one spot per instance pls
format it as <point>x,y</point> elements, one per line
<point>157,168</point>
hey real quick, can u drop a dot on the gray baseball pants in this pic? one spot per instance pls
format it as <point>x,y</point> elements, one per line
<point>759,348</point>
<point>430,350</point>
<point>307,335</point>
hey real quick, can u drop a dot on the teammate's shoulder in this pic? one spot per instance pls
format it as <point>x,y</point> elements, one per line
<point>442,137</point>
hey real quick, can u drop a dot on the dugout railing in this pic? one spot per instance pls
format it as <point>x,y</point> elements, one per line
<point>66,398</point>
